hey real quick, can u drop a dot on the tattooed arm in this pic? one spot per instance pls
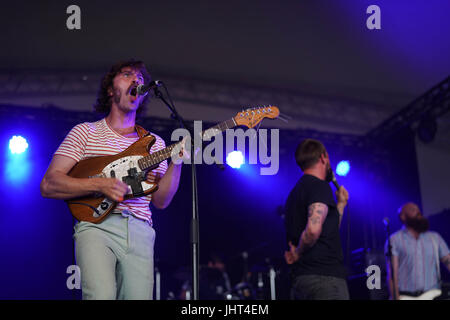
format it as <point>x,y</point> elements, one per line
<point>317,212</point>
<point>446,261</point>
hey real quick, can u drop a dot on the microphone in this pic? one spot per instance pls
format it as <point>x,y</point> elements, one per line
<point>333,179</point>
<point>142,89</point>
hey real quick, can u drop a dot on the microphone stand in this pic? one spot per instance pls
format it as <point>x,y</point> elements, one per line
<point>389,256</point>
<point>194,219</point>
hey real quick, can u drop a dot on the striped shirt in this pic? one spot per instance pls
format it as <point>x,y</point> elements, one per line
<point>418,259</point>
<point>93,139</point>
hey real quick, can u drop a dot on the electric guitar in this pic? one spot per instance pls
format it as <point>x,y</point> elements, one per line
<point>427,295</point>
<point>132,165</point>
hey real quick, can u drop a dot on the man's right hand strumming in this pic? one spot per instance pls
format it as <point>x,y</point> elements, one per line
<point>58,185</point>
<point>113,188</point>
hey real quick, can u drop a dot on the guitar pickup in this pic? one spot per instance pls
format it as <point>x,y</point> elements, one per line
<point>134,180</point>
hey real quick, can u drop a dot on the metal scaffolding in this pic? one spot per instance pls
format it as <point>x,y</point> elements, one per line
<point>432,104</point>
<point>354,118</point>
<point>347,115</point>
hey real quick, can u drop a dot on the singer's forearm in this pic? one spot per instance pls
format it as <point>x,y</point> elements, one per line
<point>307,240</point>
<point>340,209</point>
<point>317,213</point>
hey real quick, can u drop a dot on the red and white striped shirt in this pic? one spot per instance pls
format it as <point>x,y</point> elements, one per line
<point>93,139</point>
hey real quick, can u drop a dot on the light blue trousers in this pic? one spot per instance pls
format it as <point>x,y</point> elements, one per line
<point>115,258</point>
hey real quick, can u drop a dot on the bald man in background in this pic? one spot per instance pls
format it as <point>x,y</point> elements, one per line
<point>416,255</point>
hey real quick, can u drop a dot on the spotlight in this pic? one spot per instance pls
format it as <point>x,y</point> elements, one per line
<point>18,145</point>
<point>17,167</point>
<point>235,159</point>
<point>343,168</point>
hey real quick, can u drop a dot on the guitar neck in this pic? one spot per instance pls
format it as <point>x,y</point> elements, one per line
<point>157,157</point>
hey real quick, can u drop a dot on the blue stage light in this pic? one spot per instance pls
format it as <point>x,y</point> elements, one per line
<point>18,145</point>
<point>235,159</point>
<point>18,165</point>
<point>343,168</point>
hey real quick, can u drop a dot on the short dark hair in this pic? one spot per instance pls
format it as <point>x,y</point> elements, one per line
<point>308,153</point>
<point>103,103</point>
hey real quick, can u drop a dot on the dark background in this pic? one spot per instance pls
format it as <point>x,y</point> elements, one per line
<point>317,48</point>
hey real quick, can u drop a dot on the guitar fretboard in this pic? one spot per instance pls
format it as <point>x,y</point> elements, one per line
<point>157,157</point>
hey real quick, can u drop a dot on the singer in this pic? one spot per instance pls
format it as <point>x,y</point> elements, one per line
<point>116,255</point>
<point>312,226</point>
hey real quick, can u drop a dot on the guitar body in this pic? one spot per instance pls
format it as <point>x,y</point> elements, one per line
<point>132,165</point>
<point>123,166</point>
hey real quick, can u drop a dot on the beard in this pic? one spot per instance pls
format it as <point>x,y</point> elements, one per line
<point>117,96</point>
<point>124,103</point>
<point>329,176</point>
<point>419,224</point>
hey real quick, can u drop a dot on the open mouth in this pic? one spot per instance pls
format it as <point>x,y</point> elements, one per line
<point>133,91</point>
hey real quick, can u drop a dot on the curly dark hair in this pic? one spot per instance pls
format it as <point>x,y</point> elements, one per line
<point>103,103</point>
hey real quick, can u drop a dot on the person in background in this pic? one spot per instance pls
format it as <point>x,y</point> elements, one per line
<point>416,254</point>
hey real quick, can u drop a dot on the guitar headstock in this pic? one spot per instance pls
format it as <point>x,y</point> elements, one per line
<point>251,117</point>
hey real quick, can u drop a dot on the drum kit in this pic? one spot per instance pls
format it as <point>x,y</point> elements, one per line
<point>258,283</point>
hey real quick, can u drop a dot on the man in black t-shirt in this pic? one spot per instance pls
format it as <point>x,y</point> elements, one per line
<point>312,224</point>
